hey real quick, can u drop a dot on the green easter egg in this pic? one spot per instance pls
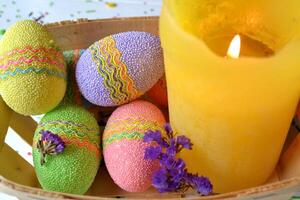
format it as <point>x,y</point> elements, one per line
<point>73,170</point>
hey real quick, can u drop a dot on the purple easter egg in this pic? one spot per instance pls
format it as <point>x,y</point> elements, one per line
<point>120,68</point>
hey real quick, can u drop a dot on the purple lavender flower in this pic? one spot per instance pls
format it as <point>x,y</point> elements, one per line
<point>60,148</point>
<point>179,164</point>
<point>201,184</point>
<point>160,180</point>
<point>152,136</point>
<point>166,160</point>
<point>173,175</point>
<point>184,142</point>
<point>152,153</point>
<point>168,130</point>
<point>178,171</point>
<point>171,149</point>
<point>155,136</point>
<point>49,144</point>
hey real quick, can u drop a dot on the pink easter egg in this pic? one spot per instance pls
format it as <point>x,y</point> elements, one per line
<point>123,145</point>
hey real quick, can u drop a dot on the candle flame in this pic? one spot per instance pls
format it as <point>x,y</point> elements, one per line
<point>235,47</point>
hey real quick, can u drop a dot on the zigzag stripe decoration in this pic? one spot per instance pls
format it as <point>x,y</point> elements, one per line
<point>107,69</point>
<point>112,81</point>
<point>66,123</point>
<point>122,73</point>
<point>113,70</point>
<point>30,60</point>
<point>84,144</point>
<point>101,62</point>
<point>18,71</point>
<point>134,122</point>
<point>75,141</point>
<point>134,129</point>
<point>121,136</point>
<point>110,52</point>
<point>71,133</point>
<point>33,50</point>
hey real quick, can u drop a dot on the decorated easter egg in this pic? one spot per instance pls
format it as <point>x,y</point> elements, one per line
<point>66,151</point>
<point>158,93</point>
<point>123,146</point>
<point>32,69</point>
<point>120,68</point>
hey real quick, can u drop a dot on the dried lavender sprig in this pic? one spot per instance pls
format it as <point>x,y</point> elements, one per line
<point>49,144</point>
<point>173,175</point>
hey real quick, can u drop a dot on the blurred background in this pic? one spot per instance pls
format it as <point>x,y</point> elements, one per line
<point>48,11</point>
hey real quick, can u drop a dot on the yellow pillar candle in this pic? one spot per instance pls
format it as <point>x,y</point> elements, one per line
<point>5,114</point>
<point>237,112</point>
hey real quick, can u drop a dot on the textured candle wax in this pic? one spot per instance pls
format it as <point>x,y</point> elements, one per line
<point>270,21</point>
<point>237,112</point>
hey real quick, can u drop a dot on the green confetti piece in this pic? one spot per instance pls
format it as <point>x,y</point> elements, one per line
<point>13,2</point>
<point>90,11</point>
<point>18,16</point>
<point>88,1</point>
<point>51,3</point>
<point>2,31</point>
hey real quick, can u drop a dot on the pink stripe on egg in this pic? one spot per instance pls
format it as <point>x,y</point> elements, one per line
<point>30,60</point>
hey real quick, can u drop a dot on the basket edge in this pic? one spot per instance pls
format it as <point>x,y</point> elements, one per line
<point>11,187</point>
<point>86,20</point>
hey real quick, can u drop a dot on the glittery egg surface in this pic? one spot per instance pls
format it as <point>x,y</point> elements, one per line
<point>74,169</point>
<point>32,69</point>
<point>123,145</point>
<point>120,68</point>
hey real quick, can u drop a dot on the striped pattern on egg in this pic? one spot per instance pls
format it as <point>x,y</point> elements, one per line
<point>124,148</point>
<point>120,68</point>
<point>32,69</point>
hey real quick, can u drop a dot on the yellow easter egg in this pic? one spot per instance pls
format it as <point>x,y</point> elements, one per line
<point>32,69</point>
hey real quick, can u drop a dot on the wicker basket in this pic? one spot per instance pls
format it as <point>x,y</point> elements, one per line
<point>18,178</point>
